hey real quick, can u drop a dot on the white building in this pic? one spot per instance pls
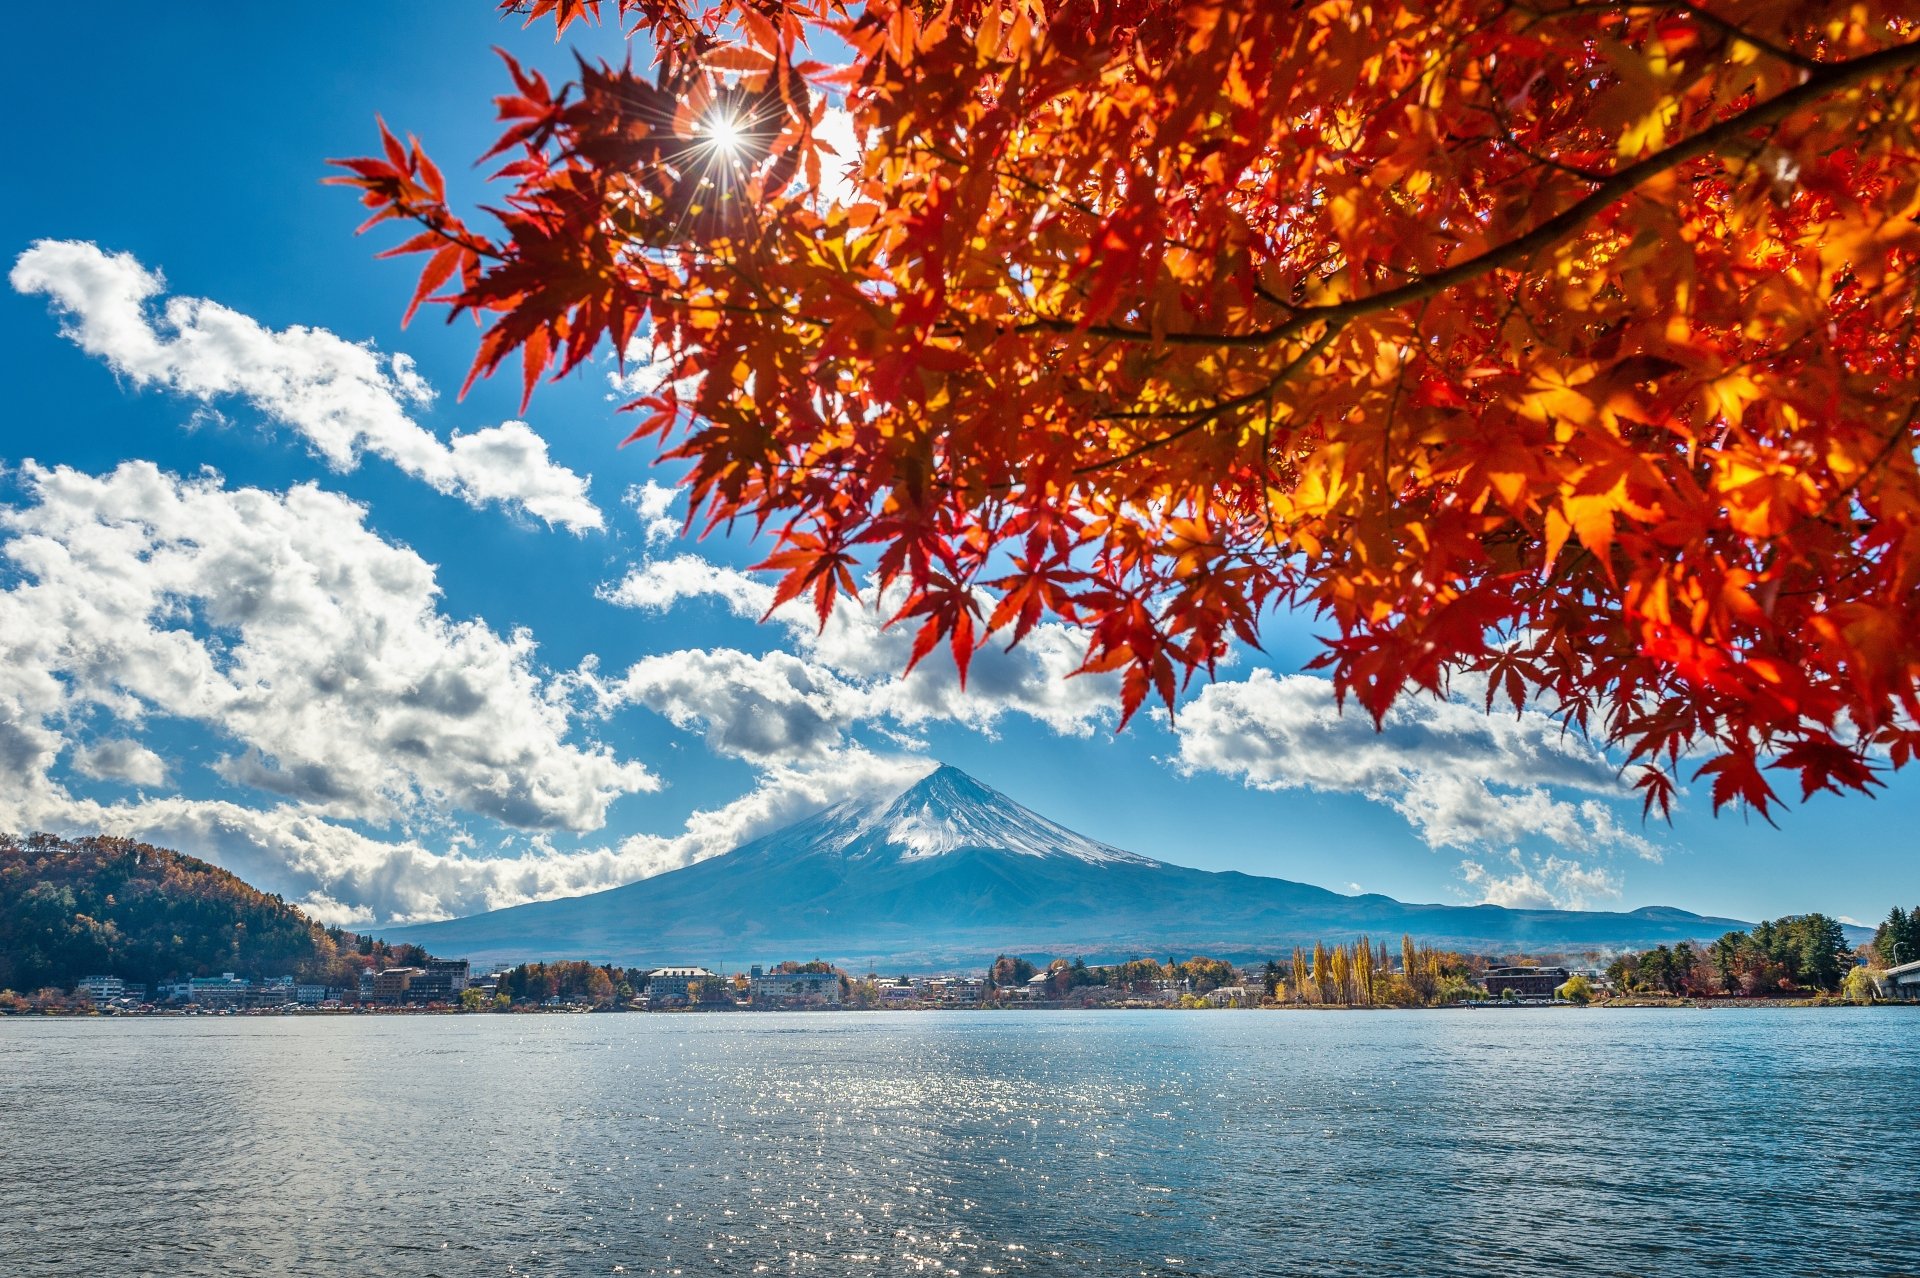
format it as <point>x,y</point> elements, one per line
<point>967,991</point>
<point>675,984</point>
<point>101,988</point>
<point>793,989</point>
<point>223,990</point>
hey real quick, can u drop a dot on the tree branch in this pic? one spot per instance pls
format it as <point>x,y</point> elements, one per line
<point>1713,21</point>
<point>1829,79</point>
<point>1202,415</point>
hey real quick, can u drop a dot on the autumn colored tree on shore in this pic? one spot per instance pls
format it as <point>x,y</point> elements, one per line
<point>1568,343</point>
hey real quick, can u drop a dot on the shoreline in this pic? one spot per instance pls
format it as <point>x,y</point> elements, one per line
<point>1623,1004</point>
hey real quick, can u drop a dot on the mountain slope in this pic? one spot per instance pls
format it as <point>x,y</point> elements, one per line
<point>952,872</point>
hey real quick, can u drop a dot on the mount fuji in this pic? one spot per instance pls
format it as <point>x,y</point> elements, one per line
<point>950,873</point>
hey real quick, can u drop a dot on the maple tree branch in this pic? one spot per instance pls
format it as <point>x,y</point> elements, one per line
<point>468,241</point>
<point>1201,416</point>
<point>1834,76</point>
<point>1714,21</point>
<point>1498,113</point>
<point>1902,432</point>
<point>1831,77</point>
<point>1386,427</point>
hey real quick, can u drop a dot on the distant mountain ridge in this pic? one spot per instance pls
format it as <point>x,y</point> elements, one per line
<point>951,872</point>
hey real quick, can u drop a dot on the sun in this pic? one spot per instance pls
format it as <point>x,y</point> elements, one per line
<point>723,132</point>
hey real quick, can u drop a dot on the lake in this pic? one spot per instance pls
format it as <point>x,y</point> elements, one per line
<point>1505,1141</point>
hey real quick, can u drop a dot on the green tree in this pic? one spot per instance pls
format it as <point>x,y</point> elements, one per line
<point>1727,955</point>
<point>1682,975</point>
<point>1820,945</point>
<point>1576,989</point>
<point>1897,941</point>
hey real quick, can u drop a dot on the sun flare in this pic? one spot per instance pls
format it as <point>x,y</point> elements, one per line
<point>724,133</point>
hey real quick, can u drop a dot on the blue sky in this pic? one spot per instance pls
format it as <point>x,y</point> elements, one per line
<point>262,603</point>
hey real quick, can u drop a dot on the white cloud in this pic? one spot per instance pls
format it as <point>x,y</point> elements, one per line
<point>783,793</point>
<point>651,502</point>
<point>763,709</point>
<point>658,585</point>
<point>859,650</point>
<point>644,369</point>
<point>341,397</point>
<point>282,624</point>
<point>1543,883</point>
<point>1461,777</point>
<point>117,759</point>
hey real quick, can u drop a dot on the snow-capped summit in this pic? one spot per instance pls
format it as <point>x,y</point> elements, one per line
<point>948,811</point>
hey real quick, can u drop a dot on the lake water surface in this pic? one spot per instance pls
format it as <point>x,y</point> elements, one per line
<point>1522,1142</point>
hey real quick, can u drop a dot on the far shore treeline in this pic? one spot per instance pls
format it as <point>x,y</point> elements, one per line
<point>71,909</point>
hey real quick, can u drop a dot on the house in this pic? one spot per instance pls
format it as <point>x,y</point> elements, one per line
<point>1232,996</point>
<point>1525,982</point>
<point>968,991</point>
<point>674,985</point>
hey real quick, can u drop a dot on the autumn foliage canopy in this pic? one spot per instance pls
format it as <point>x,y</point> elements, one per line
<point>1567,342</point>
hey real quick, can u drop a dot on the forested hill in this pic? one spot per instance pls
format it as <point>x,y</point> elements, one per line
<point>72,908</point>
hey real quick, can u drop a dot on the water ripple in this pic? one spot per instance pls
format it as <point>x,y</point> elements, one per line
<point>1512,1142</point>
